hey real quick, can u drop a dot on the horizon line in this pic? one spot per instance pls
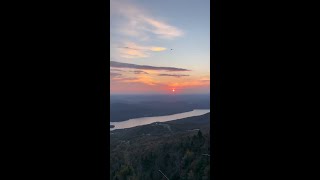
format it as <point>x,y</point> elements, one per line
<point>159,94</point>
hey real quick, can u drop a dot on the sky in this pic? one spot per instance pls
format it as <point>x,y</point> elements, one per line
<point>159,47</point>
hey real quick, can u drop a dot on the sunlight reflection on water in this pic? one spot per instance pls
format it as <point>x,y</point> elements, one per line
<point>148,120</point>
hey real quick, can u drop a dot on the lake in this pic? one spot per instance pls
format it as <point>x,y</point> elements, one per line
<point>148,120</point>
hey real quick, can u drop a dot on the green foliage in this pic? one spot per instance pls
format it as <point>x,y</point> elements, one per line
<point>199,134</point>
<point>179,157</point>
<point>138,153</point>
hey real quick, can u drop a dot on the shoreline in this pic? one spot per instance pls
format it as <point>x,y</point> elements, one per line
<point>134,122</point>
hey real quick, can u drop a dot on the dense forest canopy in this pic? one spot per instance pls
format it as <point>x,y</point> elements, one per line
<point>178,148</point>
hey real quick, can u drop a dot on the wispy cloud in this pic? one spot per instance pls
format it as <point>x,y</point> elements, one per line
<point>142,79</point>
<point>118,77</point>
<point>118,70</point>
<point>143,67</point>
<point>173,75</point>
<point>192,83</point>
<point>126,79</point>
<point>139,72</point>
<point>113,74</point>
<point>133,50</point>
<point>139,23</point>
<point>161,29</point>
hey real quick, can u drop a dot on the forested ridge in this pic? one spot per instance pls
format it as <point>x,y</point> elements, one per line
<point>178,148</point>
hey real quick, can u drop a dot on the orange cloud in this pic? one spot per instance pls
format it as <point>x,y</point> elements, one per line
<point>145,79</point>
<point>157,48</point>
<point>133,50</point>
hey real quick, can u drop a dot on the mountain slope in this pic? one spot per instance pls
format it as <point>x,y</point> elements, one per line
<point>175,147</point>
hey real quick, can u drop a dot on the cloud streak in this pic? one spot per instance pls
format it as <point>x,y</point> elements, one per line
<point>139,72</point>
<point>114,75</point>
<point>118,70</point>
<point>173,75</point>
<point>143,67</point>
<point>133,50</point>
